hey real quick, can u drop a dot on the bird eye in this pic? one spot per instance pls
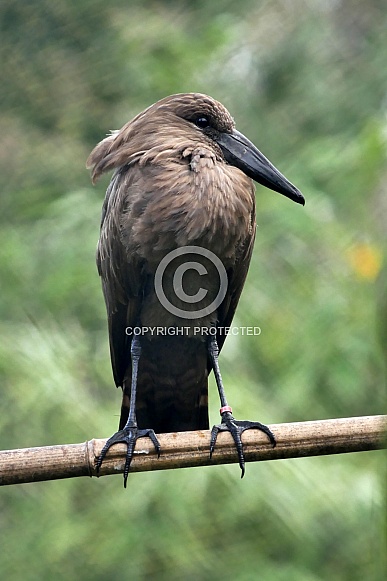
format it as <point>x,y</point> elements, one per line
<point>202,122</point>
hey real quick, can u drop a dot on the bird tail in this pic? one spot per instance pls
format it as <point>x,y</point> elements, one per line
<point>202,408</point>
<point>167,414</point>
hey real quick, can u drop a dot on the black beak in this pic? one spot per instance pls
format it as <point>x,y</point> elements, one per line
<point>240,152</point>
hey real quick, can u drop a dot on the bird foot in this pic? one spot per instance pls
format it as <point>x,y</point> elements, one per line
<point>236,429</point>
<point>129,436</point>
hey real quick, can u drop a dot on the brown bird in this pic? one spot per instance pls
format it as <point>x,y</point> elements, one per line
<point>177,233</point>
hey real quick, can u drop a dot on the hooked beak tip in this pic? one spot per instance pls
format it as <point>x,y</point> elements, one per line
<point>296,197</point>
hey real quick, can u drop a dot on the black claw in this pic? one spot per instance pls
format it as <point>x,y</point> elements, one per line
<point>129,436</point>
<point>236,429</point>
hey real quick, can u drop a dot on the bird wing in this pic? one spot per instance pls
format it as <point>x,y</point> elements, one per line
<point>236,280</point>
<point>121,276</point>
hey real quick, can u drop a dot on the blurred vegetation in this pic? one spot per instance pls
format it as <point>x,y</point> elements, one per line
<point>307,82</point>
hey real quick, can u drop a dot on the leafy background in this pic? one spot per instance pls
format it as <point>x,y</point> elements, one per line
<point>306,81</point>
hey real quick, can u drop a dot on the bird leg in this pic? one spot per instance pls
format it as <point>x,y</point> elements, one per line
<point>229,423</point>
<point>130,432</point>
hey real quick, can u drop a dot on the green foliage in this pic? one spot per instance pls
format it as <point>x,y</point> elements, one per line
<point>307,83</point>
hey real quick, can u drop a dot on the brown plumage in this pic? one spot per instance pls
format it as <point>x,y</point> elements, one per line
<point>182,178</point>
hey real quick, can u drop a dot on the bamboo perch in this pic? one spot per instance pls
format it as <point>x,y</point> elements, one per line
<point>185,449</point>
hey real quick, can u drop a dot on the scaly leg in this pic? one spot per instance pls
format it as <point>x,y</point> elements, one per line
<point>229,423</point>
<point>130,433</point>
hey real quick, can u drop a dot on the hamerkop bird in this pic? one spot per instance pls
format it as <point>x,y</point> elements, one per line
<point>177,233</point>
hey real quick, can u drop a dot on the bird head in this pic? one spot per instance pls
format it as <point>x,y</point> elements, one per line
<point>178,121</point>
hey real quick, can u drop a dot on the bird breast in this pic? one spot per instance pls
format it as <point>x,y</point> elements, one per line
<point>193,198</point>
